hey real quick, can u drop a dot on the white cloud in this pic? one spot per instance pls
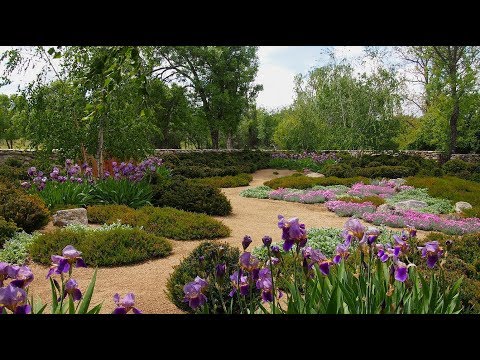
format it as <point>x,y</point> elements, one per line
<point>278,85</point>
<point>277,80</point>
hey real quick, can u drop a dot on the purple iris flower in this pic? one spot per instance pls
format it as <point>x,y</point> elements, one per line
<point>401,245</point>
<point>62,264</point>
<point>341,253</point>
<point>14,298</point>
<point>316,257</point>
<point>265,284</point>
<point>22,274</point>
<point>412,232</point>
<point>292,232</point>
<point>248,262</point>
<point>247,240</point>
<point>32,171</point>
<point>55,172</point>
<point>239,282</point>
<point>401,271</point>
<point>26,185</point>
<point>71,288</point>
<point>385,252</point>
<point>4,267</point>
<point>220,270</point>
<point>68,163</point>
<point>126,304</point>
<point>273,260</point>
<point>275,249</point>
<point>432,251</point>
<point>355,228</point>
<point>267,240</point>
<point>370,236</point>
<point>62,179</point>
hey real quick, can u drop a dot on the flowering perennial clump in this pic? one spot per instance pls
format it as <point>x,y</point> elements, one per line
<point>67,298</point>
<point>361,268</point>
<point>344,208</point>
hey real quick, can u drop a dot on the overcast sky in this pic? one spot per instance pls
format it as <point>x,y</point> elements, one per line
<point>278,66</point>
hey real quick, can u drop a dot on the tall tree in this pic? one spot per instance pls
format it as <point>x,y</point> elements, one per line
<point>220,77</point>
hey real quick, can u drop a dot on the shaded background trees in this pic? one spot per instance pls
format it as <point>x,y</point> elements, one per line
<point>124,101</point>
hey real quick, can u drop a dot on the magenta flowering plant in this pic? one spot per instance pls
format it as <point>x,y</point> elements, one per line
<point>344,208</point>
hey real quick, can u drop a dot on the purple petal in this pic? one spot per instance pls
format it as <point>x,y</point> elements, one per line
<point>401,273</point>
<point>80,263</point>
<point>120,310</point>
<point>325,268</point>
<point>267,296</point>
<point>23,309</point>
<point>64,266</point>
<point>432,260</point>
<point>288,244</point>
<point>70,252</point>
<point>136,311</point>
<point>116,298</point>
<point>337,259</point>
<point>128,300</point>
<point>194,302</point>
<point>244,289</point>
<point>231,293</point>
<point>77,294</point>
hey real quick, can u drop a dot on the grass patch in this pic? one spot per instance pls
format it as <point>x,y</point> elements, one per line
<point>259,192</point>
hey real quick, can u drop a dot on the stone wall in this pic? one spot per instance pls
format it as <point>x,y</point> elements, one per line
<point>28,155</point>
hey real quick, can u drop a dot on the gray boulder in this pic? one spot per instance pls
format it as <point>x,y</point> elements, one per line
<point>385,208</point>
<point>314,175</point>
<point>462,205</point>
<point>410,205</point>
<point>66,217</point>
<point>398,181</point>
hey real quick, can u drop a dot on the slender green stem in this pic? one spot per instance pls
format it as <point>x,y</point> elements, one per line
<point>273,284</point>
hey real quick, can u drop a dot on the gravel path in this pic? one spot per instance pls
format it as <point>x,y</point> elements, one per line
<point>254,217</point>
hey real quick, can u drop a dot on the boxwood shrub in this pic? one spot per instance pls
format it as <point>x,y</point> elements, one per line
<point>119,245</point>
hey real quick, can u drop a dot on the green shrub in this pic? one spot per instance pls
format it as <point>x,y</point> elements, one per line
<point>27,211</point>
<point>15,250</point>
<point>225,181</point>
<point>456,166</point>
<point>304,182</point>
<point>13,174</point>
<point>341,170</point>
<point>103,214</point>
<point>180,225</point>
<point>385,172</point>
<point>375,200</point>
<point>259,192</point>
<point>473,212</point>
<point>56,194</point>
<point>191,266</point>
<point>115,246</point>
<point>7,230</point>
<point>14,162</point>
<point>435,205</point>
<point>448,187</point>
<point>191,196</point>
<point>167,222</point>
<point>122,192</point>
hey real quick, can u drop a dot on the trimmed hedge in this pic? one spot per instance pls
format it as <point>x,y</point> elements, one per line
<point>191,266</point>
<point>375,200</point>
<point>27,211</point>
<point>225,181</point>
<point>191,196</point>
<point>167,222</point>
<point>299,181</point>
<point>449,187</point>
<point>117,246</point>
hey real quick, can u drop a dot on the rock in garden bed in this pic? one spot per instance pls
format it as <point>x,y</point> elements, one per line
<point>462,205</point>
<point>70,216</point>
<point>410,205</point>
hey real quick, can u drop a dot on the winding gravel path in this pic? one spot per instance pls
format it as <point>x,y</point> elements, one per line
<point>255,217</point>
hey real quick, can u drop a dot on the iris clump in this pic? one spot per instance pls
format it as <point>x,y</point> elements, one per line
<point>365,265</point>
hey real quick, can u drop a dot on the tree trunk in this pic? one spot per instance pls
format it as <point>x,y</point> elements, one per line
<point>229,142</point>
<point>9,144</point>
<point>100,151</point>
<point>215,135</point>
<point>452,145</point>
